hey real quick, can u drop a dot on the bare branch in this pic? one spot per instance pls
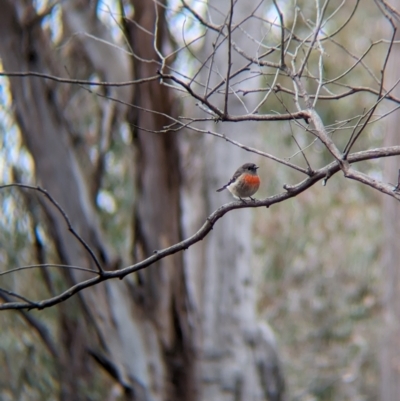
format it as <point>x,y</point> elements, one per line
<point>354,135</point>
<point>282,34</point>
<point>322,134</point>
<point>65,217</point>
<point>38,326</point>
<point>229,64</point>
<point>301,115</point>
<point>351,91</point>
<point>397,187</point>
<point>320,19</point>
<point>291,191</point>
<point>15,295</point>
<point>46,265</point>
<point>23,74</point>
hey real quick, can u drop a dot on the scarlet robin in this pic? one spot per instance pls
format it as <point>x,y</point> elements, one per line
<point>244,183</point>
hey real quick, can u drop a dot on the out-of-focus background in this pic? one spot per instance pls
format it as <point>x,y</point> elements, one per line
<point>299,301</point>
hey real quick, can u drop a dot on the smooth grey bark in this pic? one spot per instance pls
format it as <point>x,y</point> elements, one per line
<point>24,48</point>
<point>157,213</point>
<point>109,323</point>
<point>239,358</point>
<point>91,48</point>
<point>390,346</point>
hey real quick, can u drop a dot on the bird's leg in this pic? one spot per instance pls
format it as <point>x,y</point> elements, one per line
<point>243,200</point>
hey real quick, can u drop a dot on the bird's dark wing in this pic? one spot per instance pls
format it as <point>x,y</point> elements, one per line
<point>232,180</point>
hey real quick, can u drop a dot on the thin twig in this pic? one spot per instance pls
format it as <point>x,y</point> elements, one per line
<point>31,304</point>
<point>282,34</point>
<point>315,36</point>
<point>229,65</point>
<point>302,152</point>
<point>65,217</point>
<point>23,74</point>
<point>354,135</point>
<point>46,265</point>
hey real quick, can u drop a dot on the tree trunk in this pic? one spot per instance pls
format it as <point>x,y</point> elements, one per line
<point>140,341</point>
<point>185,328</point>
<point>24,47</point>
<point>239,359</point>
<point>390,347</point>
<point>157,216</point>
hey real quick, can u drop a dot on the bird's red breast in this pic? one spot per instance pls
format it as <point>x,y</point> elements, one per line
<point>252,180</point>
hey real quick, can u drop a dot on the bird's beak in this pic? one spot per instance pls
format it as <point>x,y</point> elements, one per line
<point>256,167</point>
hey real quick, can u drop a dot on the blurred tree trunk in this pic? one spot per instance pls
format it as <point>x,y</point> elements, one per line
<point>390,349</point>
<point>239,359</point>
<point>176,331</point>
<point>137,333</point>
<point>43,128</point>
<point>157,214</point>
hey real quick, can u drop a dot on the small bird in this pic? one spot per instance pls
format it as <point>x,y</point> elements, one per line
<point>244,183</point>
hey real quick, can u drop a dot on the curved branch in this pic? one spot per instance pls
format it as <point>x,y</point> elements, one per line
<point>46,265</point>
<point>65,217</point>
<point>299,115</point>
<point>291,191</point>
<point>352,90</point>
<point>24,74</point>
